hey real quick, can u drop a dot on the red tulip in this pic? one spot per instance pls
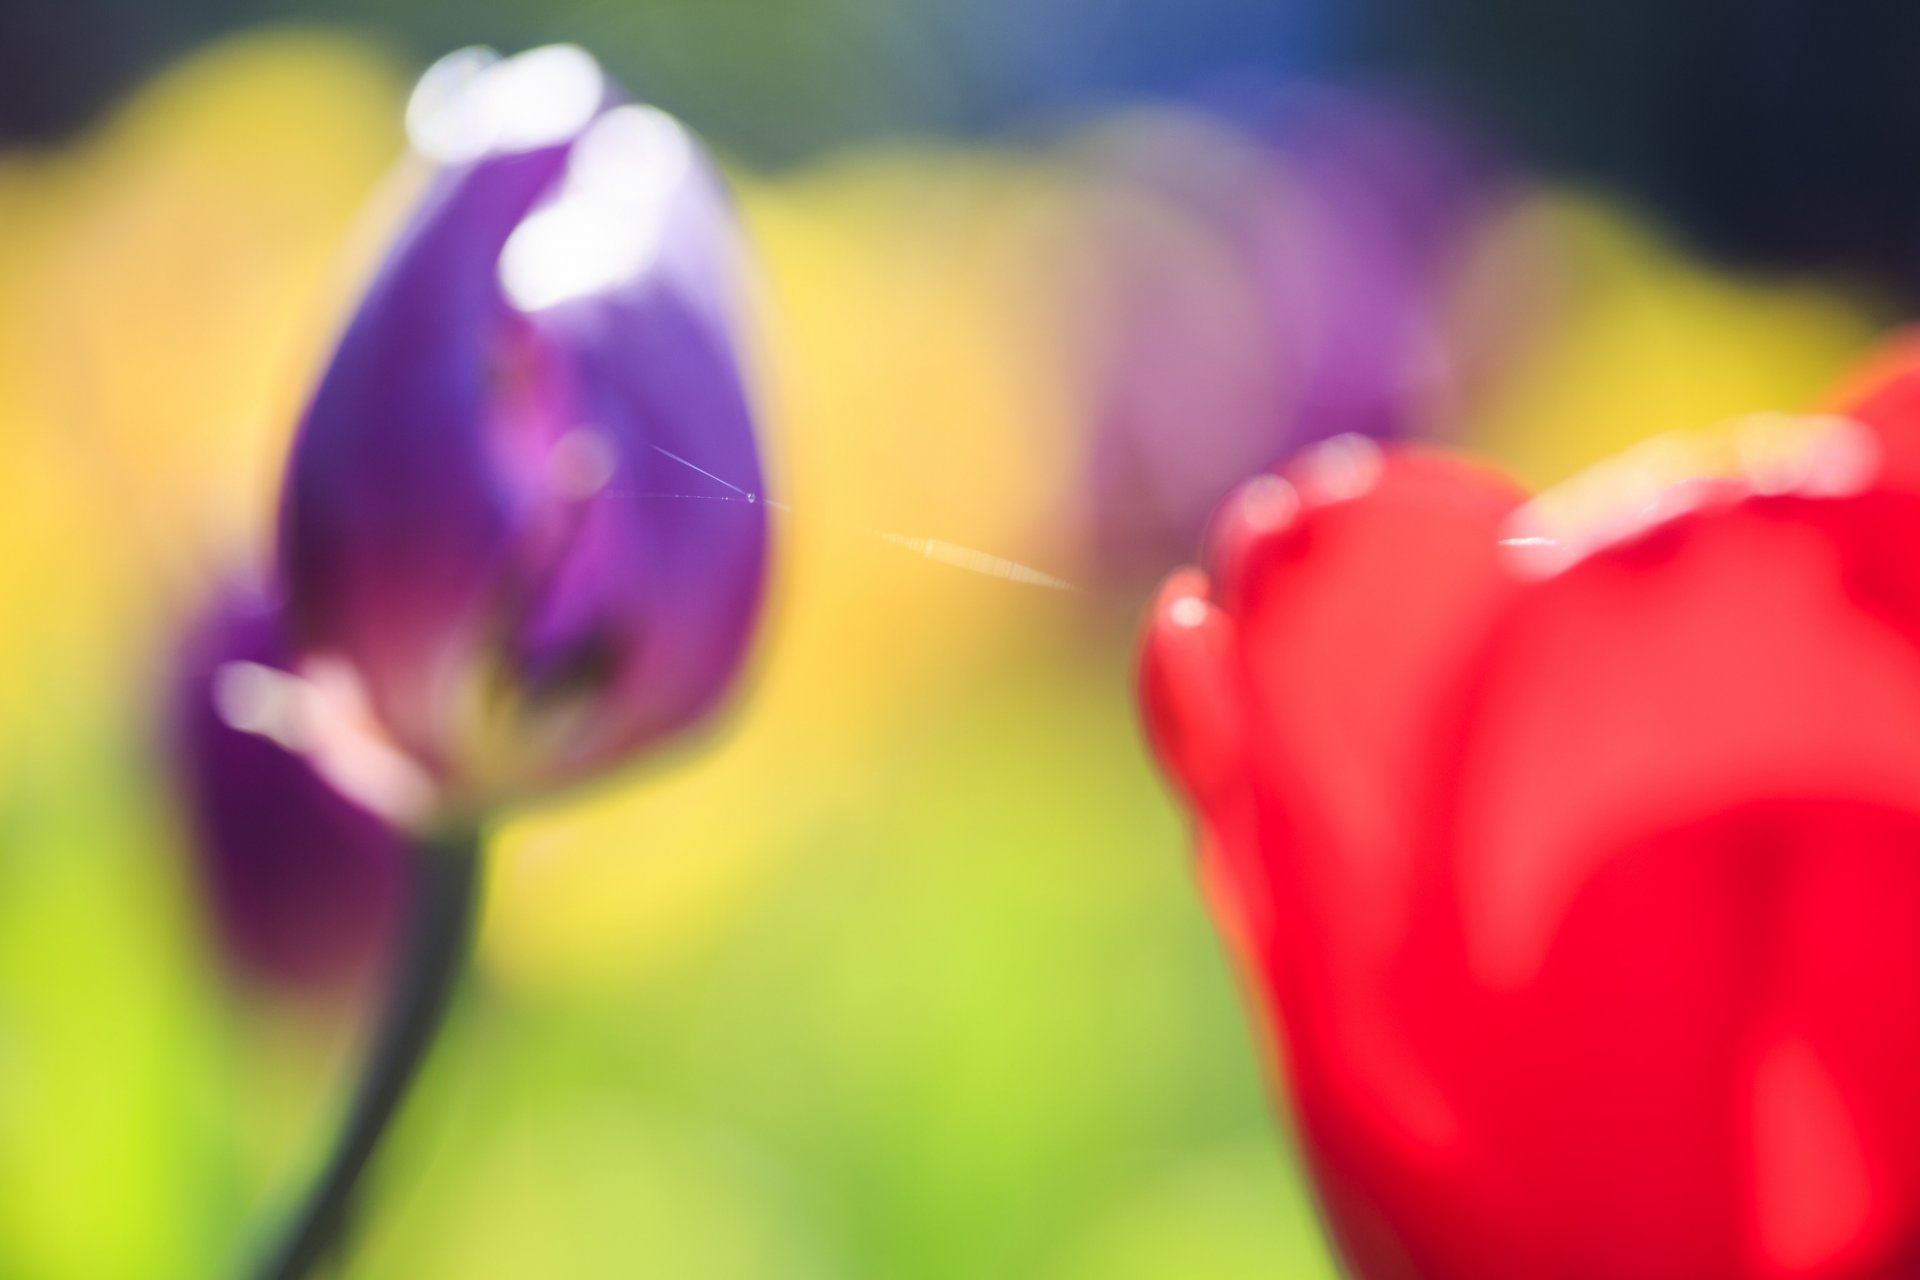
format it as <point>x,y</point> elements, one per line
<point>1573,848</point>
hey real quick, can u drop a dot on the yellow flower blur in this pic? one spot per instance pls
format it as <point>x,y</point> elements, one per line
<point>162,298</point>
<point>1619,337</point>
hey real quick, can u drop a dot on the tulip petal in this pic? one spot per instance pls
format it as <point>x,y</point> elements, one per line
<point>1682,809</point>
<point>1355,611</point>
<point>394,521</point>
<point>1346,596</point>
<point>304,885</point>
<point>664,560</point>
<point>1750,651</point>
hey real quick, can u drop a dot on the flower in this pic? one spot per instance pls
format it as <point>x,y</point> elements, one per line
<point>1569,846</point>
<point>1247,283</point>
<point>521,530</point>
<point>304,885</point>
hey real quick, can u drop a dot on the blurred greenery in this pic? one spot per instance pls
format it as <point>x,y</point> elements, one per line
<point>974,1026</point>
<point>777,82</point>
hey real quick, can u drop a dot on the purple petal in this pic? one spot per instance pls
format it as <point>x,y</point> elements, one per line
<point>303,886</point>
<point>485,510</point>
<point>394,523</point>
<point>657,589</point>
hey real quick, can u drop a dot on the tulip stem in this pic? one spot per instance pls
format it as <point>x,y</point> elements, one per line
<point>444,894</point>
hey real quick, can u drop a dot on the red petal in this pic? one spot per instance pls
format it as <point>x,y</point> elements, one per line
<point>1685,805</point>
<point>1196,713</point>
<point>1345,598</point>
<point>1760,650</point>
<point>1297,705</point>
<point>1355,618</point>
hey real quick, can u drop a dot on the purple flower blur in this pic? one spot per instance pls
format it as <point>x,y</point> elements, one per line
<point>521,520</point>
<point>304,886</point>
<point>1264,276</point>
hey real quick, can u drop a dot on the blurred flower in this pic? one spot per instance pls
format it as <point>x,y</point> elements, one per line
<point>1570,845</point>
<point>303,883</point>
<point>1239,291</point>
<point>159,286</point>
<point>522,533</point>
<point>1616,334</point>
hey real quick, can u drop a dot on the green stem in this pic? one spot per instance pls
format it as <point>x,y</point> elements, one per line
<point>446,877</point>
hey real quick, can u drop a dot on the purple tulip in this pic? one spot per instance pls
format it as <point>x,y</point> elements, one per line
<point>1265,277</point>
<point>303,885</point>
<point>522,515</point>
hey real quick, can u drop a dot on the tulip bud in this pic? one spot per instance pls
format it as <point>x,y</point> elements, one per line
<point>303,884</point>
<point>521,523</point>
<point>1570,844</point>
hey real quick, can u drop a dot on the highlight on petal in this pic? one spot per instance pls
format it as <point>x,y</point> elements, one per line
<point>610,221</point>
<point>1634,492</point>
<point>1814,1185</point>
<point>471,103</point>
<point>1190,689</point>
